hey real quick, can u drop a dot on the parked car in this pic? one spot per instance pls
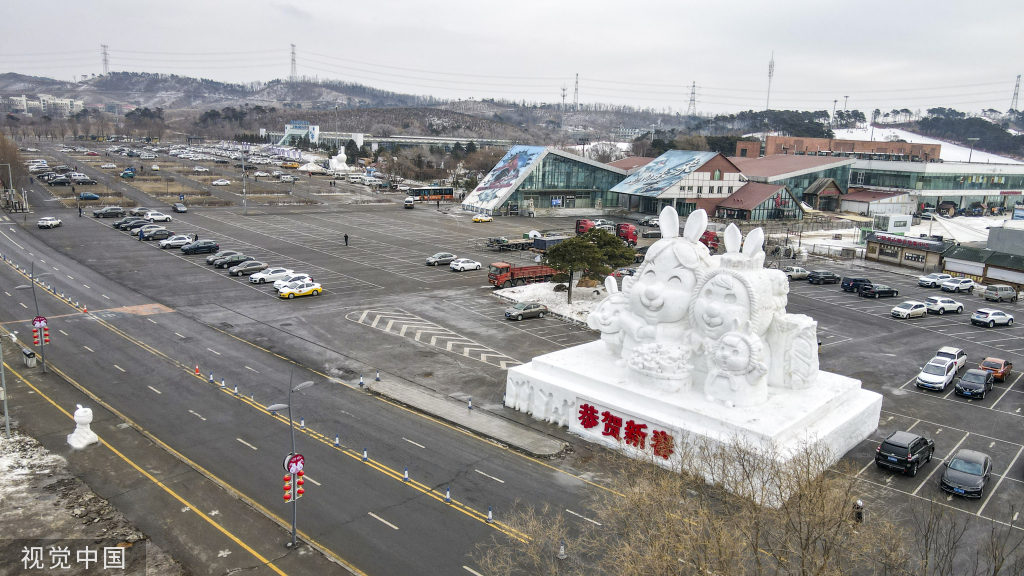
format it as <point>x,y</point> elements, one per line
<point>157,217</point>
<point>482,218</point>
<point>200,247</point>
<point>904,452</point>
<point>850,284</point>
<point>937,374</point>
<point>651,233</point>
<point>1000,292</point>
<point>200,169</point>
<point>221,182</point>
<point>648,221</point>
<point>974,383</point>
<point>175,241</point>
<point>146,229</point>
<point>463,264</point>
<point>966,473</point>
<point>822,277</point>
<point>910,309</point>
<point>290,279</point>
<point>155,167</point>
<point>941,304</point>
<point>109,212</point>
<point>179,207</point>
<point>127,174</point>
<point>233,260</point>
<point>48,222</point>
<point>440,258</point>
<point>88,196</point>
<point>246,268</point>
<point>305,288</point>
<point>133,227</point>
<point>127,221</point>
<point>270,275</point>
<point>998,367</point>
<point>877,291</point>
<point>958,285</point>
<point>260,174</point>
<point>622,272</point>
<point>109,166</point>
<point>990,317</point>
<point>795,272</point>
<point>955,354</point>
<point>139,211</point>
<point>158,234</point>
<point>59,181</point>
<point>221,254</point>
<point>522,310</point>
<point>933,280</point>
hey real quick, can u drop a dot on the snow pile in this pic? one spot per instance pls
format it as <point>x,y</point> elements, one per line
<point>583,299</point>
<point>949,152</point>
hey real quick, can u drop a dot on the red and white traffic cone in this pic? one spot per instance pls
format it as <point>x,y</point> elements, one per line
<point>197,369</point>
<point>85,309</point>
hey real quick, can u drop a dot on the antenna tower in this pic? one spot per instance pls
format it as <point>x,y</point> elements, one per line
<point>106,64</point>
<point>576,95</point>
<point>771,74</point>
<point>563,97</point>
<point>295,71</point>
<point>691,110</point>
<point>1016,90</point>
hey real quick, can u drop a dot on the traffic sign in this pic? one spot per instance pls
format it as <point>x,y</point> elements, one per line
<point>181,197</point>
<point>293,463</point>
<point>39,322</point>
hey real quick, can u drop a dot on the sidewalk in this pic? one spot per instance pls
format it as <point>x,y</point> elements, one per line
<point>511,434</point>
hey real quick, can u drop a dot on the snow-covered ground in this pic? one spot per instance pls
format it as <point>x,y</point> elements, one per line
<point>583,299</point>
<point>949,152</point>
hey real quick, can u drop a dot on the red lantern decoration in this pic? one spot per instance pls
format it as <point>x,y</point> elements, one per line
<point>301,491</point>
<point>300,482</point>
<point>287,496</point>
<point>287,477</point>
<point>301,473</point>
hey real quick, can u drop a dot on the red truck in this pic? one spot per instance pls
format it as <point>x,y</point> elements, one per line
<point>505,275</point>
<point>584,226</point>
<point>626,232</point>
<point>710,239</point>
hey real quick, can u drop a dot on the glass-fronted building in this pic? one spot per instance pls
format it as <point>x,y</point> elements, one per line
<point>796,172</point>
<point>965,185</point>
<point>539,181</point>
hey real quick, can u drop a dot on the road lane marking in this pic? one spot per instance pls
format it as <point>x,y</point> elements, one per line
<point>63,332</point>
<point>105,296</point>
<point>193,412</point>
<point>254,370</point>
<point>23,305</point>
<point>383,520</point>
<point>489,476</point>
<point>154,390</point>
<point>6,292</point>
<point>89,349</point>
<point>118,367</point>
<point>179,335</point>
<point>311,480</point>
<point>87,286</point>
<point>1005,391</point>
<point>467,568</point>
<point>584,517</point>
<point>936,468</point>
<point>151,320</point>
<point>239,439</point>
<point>415,443</point>
<point>1001,478</point>
<point>211,350</point>
<point>71,277</point>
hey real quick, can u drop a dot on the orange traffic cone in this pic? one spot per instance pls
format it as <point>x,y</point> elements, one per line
<point>197,369</point>
<point>85,309</point>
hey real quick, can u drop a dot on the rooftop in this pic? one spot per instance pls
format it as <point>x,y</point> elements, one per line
<point>936,167</point>
<point>750,196</point>
<point>786,165</point>
<point>863,195</point>
<point>662,172</point>
<point>631,162</point>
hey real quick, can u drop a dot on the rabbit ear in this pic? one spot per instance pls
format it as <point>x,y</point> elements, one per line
<point>754,242</point>
<point>696,225</point>
<point>669,222</point>
<point>627,283</point>
<point>610,285</point>
<point>733,238</point>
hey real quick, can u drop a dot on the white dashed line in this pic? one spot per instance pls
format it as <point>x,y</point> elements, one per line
<point>179,335</point>
<point>211,350</point>
<point>63,332</point>
<point>256,371</point>
<point>417,444</point>
<point>71,277</point>
<point>239,439</point>
<point>89,349</point>
<point>471,571</point>
<point>204,420</point>
<point>105,296</point>
<point>383,520</point>
<point>151,320</point>
<point>582,516</point>
<point>87,286</point>
<point>488,475</point>
<point>23,305</point>
<point>311,480</point>
<point>154,390</point>
<point>118,367</point>
<point>6,292</point>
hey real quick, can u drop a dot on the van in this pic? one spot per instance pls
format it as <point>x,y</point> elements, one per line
<point>354,178</point>
<point>410,202</point>
<point>1000,292</point>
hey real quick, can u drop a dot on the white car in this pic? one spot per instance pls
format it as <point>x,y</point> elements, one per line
<point>937,374</point>
<point>288,178</point>
<point>933,280</point>
<point>270,275</point>
<point>957,355</point>
<point>109,166</point>
<point>958,285</point>
<point>942,304</point>
<point>276,173</point>
<point>49,222</point>
<point>176,241</point>
<point>403,188</point>
<point>260,174</point>
<point>990,317</point>
<point>155,167</point>
<point>157,217</point>
<point>910,309</point>
<point>463,264</point>
<point>200,169</point>
<point>221,182</point>
<point>278,284</point>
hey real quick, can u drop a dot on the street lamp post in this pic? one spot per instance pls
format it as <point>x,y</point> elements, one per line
<point>973,140</point>
<point>291,426</point>
<point>32,286</point>
<point>3,382</point>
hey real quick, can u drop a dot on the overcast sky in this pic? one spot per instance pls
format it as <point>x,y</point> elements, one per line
<point>882,54</point>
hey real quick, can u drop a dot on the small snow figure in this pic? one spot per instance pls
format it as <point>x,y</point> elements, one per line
<point>737,376</point>
<point>83,435</point>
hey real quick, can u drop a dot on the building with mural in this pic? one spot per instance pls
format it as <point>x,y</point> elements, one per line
<point>683,179</point>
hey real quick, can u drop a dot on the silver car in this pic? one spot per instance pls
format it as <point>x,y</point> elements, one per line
<point>526,310</point>
<point>246,268</point>
<point>440,258</point>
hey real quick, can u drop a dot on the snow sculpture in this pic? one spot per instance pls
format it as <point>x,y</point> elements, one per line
<point>83,435</point>
<point>339,162</point>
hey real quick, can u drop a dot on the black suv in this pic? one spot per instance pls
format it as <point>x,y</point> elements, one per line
<point>822,277</point>
<point>222,254</point>
<point>905,452</point>
<point>233,260</point>
<point>854,284</point>
<point>109,212</point>
<point>200,247</point>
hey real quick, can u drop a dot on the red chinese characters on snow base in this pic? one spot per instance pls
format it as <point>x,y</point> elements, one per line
<point>662,443</point>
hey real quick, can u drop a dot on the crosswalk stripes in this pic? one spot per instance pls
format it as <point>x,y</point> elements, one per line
<point>406,325</point>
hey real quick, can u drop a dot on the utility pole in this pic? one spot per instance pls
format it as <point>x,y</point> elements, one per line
<point>576,95</point>
<point>295,72</point>
<point>691,110</point>
<point>1016,90</point>
<point>768,99</point>
<point>106,62</point>
<point>845,100</point>
<point>834,104</point>
<point>973,140</point>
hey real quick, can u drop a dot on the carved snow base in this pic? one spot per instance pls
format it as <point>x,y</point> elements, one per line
<point>553,387</point>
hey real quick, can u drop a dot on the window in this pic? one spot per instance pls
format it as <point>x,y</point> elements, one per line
<point>730,190</point>
<point>719,189</point>
<point>716,175</point>
<point>699,190</point>
<point>743,152</point>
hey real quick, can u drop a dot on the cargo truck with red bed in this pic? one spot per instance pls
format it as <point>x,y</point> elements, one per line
<point>505,275</point>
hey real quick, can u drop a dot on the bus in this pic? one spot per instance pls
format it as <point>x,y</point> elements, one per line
<point>432,194</point>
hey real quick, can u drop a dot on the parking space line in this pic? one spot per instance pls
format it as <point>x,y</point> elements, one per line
<point>935,468</point>
<point>1001,477</point>
<point>993,406</point>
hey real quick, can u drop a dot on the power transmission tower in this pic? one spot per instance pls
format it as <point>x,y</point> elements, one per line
<point>771,74</point>
<point>691,110</point>
<point>576,95</point>
<point>295,71</point>
<point>1016,90</point>
<point>106,64</point>
<point>563,97</point>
